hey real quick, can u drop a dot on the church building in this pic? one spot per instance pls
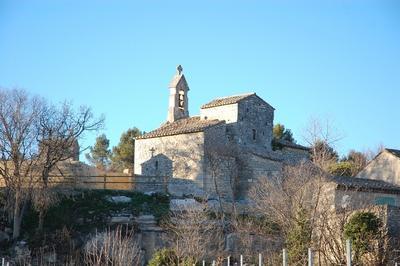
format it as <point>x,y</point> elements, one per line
<point>222,150</point>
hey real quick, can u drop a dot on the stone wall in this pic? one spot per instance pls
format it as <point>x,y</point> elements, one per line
<point>384,167</point>
<point>255,119</point>
<point>150,184</point>
<point>354,199</point>
<point>178,156</point>
<point>293,156</point>
<point>251,168</point>
<point>229,113</point>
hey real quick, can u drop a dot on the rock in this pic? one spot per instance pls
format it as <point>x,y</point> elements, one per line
<point>119,199</point>
<point>121,218</point>
<point>213,204</point>
<point>147,223</point>
<point>182,204</point>
<point>150,193</point>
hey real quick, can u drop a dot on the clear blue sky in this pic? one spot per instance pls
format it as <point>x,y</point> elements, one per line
<point>337,59</point>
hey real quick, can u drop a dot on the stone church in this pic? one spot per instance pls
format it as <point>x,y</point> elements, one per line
<point>224,149</point>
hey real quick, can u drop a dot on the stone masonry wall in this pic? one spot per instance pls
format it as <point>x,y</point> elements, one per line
<point>385,167</point>
<point>229,113</point>
<point>178,156</point>
<point>255,119</point>
<point>359,199</point>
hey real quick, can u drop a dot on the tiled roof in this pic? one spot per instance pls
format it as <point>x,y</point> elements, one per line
<point>181,126</point>
<point>364,184</point>
<point>394,152</point>
<point>293,145</point>
<point>226,100</point>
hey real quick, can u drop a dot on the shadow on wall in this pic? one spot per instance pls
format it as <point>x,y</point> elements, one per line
<point>158,165</point>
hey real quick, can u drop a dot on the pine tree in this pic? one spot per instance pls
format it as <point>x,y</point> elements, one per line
<point>100,153</point>
<point>282,133</point>
<point>123,155</point>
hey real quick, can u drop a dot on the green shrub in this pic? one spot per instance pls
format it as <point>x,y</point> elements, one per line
<point>299,237</point>
<point>341,168</point>
<point>163,257</point>
<point>361,229</point>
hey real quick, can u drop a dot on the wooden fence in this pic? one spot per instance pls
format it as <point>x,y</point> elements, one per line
<point>113,182</point>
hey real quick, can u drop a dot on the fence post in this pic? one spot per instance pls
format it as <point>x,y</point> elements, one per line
<point>2,261</point>
<point>229,261</point>
<point>241,260</point>
<point>213,263</point>
<point>285,257</point>
<point>310,257</point>
<point>259,259</point>
<point>204,263</point>
<point>105,182</point>
<point>348,252</point>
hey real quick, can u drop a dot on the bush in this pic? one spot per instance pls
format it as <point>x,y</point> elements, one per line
<point>361,229</point>
<point>113,247</point>
<point>341,169</point>
<point>163,257</point>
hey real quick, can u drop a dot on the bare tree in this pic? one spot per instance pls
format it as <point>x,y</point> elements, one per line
<point>291,201</point>
<point>59,129</point>
<point>193,235</point>
<point>19,115</point>
<point>322,137</point>
<point>34,137</point>
<point>119,247</point>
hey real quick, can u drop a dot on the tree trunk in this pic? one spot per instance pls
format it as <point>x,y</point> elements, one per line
<point>17,216</point>
<point>40,222</point>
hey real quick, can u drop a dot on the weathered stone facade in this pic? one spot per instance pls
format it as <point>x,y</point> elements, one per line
<point>223,150</point>
<point>385,166</point>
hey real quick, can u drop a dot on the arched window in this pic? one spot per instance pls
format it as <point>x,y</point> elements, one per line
<point>181,99</point>
<point>254,134</point>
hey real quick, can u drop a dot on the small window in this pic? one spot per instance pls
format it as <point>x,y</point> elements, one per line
<point>156,164</point>
<point>181,99</point>
<point>254,134</point>
<point>385,201</point>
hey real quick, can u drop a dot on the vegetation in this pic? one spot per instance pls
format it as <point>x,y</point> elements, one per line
<point>362,229</point>
<point>100,153</point>
<point>117,247</point>
<point>282,133</point>
<point>350,165</point>
<point>34,136</point>
<point>299,236</point>
<point>88,210</point>
<point>163,257</point>
<point>123,155</point>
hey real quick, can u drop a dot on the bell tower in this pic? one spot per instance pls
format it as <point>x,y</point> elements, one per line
<point>178,97</point>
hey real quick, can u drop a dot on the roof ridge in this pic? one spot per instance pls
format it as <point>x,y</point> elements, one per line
<point>236,95</point>
<point>394,152</point>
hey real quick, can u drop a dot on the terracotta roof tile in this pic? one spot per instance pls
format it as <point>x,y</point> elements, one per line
<point>226,100</point>
<point>181,126</point>
<point>365,184</point>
